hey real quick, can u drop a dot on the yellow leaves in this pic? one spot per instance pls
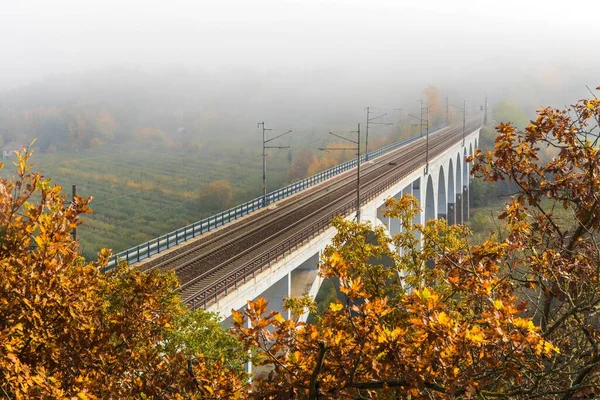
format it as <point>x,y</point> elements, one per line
<point>475,335</point>
<point>338,337</point>
<point>335,307</point>
<point>498,305</point>
<point>444,319</point>
<point>455,371</point>
<point>279,318</point>
<point>208,389</point>
<point>22,164</point>
<point>103,257</point>
<point>387,335</point>
<point>295,356</point>
<point>39,241</point>
<point>336,259</point>
<point>85,396</point>
<point>424,295</point>
<point>487,286</point>
<point>428,297</point>
<point>448,351</point>
<point>353,288</point>
<point>546,348</point>
<point>526,324</point>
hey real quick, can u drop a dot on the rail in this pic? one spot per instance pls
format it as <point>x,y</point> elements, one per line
<point>240,275</point>
<point>181,235</point>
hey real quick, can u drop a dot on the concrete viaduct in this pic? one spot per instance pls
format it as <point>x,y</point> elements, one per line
<point>274,251</point>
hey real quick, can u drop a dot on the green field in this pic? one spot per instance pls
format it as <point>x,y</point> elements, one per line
<point>142,191</point>
<point>141,194</point>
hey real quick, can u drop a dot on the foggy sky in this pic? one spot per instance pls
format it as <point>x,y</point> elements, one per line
<point>437,37</point>
<point>371,49</point>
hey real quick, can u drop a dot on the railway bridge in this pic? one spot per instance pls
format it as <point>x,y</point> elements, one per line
<point>271,247</point>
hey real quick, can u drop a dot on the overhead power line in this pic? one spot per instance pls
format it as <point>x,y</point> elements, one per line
<point>357,148</point>
<point>264,156</point>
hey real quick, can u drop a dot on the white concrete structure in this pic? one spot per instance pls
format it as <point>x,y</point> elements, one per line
<point>442,189</point>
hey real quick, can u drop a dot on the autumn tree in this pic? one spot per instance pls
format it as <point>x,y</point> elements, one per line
<point>553,223</point>
<point>217,195</point>
<point>435,103</point>
<point>454,330</point>
<point>68,330</point>
<point>512,317</point>
<point>300,165</point>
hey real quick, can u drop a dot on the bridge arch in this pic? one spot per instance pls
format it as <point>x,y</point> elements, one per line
<point>429,201</point>
<point>442,203</point>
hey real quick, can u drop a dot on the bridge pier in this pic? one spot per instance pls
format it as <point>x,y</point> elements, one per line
<point>276,294</point>
<point>407,190</point>
<point>459,209</point>
<point>384,220</point>
<point>396,223</point>
<point>419,218</point>
<point>451,217</point>
<point>466,203</point>
<point>305,280</point>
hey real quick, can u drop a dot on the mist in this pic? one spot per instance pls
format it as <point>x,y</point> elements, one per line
<point>152,107</point>
<point>303,65</point>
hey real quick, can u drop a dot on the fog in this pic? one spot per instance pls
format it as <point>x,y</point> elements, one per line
<point>308,64</point>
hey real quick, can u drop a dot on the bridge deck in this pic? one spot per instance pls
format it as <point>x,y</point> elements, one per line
<point>211,264</point>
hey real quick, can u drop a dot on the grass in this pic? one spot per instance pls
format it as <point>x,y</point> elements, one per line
<point>140,194</point>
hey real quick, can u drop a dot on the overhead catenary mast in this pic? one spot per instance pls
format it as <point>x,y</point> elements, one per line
<point>357,148</point>
<point>369,122</point>
<point>264,156</point>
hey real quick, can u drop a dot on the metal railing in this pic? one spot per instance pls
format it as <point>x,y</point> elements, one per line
<point>164,242</point>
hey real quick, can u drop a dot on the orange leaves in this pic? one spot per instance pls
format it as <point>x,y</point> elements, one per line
<point>259,306</point>
<point>69,331</point>
<point>455,323</point>
<point>238,318</point>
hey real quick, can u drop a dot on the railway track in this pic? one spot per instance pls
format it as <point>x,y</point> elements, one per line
<point>207,262</point>
<point>182,260</point>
